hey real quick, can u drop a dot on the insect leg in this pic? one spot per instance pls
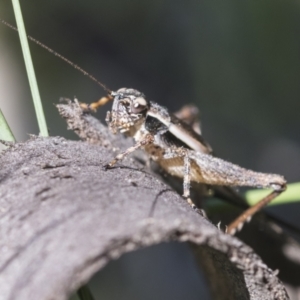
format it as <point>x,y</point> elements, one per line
<point>216,171</point>
<point>246,216</point>
<point>186,177</point>
<point>187,181</point>
<point>148,139</point>
<point>179,152</point>
<point>190,115</point>
<point>95,105</point>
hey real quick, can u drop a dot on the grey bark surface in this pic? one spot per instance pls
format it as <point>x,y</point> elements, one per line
<point>63,218</point>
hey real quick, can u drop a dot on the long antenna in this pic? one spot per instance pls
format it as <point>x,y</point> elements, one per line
<point>75,66</point>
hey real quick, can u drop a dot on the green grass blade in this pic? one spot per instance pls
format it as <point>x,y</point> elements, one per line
<point>30,70</point>
<point>5,131</point>
<point>292,194</point>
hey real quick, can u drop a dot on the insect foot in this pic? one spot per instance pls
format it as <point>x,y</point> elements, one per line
<point>194,207</point>
<point>106,167</point>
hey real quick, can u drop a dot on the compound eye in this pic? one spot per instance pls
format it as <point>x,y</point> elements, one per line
<point>125,102</point>
<point>139,104</point>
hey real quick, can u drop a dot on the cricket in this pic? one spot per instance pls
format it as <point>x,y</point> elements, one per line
<point>175,143</point>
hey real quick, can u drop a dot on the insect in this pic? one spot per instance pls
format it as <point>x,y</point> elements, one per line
<point>178,149</point>
<point>175,146</point>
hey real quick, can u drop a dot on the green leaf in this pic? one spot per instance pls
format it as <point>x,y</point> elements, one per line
<point>292,194</point>
<point>5,131</point>
<point>30,70</point>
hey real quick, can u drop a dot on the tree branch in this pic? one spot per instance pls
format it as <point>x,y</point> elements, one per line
<point>63,218</point>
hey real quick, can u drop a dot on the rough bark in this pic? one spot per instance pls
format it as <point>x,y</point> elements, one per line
<point>63,218</point>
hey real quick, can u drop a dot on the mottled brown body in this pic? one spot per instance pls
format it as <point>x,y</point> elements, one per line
<point>228,174</point>
<point>180,150</point>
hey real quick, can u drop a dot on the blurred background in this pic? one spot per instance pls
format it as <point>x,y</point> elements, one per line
<point>238,61</point>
